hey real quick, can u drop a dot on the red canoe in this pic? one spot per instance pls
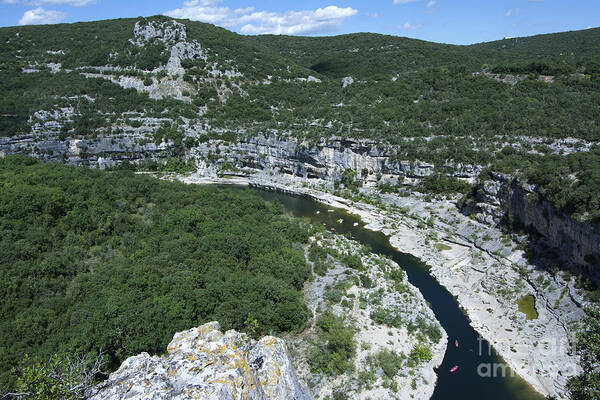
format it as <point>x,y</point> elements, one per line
<point>454,369</point>
<point>456,343</point>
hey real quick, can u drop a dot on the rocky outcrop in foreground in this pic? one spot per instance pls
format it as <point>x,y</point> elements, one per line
<point>204,363</point>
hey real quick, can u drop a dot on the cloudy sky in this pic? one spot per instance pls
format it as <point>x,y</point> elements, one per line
<point>448,21</point>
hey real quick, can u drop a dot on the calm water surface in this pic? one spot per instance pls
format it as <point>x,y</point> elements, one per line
<point>466,383</point>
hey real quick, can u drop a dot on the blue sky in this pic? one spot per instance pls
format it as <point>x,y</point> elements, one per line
<point>447,21</point>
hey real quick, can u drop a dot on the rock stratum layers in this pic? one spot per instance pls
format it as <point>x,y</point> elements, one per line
<point>576,243</point>
<point>573,242</point>
<point>204,363</point>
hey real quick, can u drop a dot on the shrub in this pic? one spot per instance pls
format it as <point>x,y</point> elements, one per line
<point>421,353</point>
<point>336,347</point>
<point>366,281</point>
<point>60,378</point>
<point>354,261</point>
<point>389,362</point>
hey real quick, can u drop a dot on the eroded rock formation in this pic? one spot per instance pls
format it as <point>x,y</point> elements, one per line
<point>204,363</point>
<point>575,243</point>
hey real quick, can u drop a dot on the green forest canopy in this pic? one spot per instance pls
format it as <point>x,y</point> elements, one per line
<point>118,261</point>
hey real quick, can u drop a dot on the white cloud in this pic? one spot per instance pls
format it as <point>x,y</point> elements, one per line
<point>404,1</point>
<point>410,27</point>
<point>74,3</point>
<point>39,3</point>
<point>432,3</point>
<point>250,21</point>
<point>513,13</point>
<point>41,16</point>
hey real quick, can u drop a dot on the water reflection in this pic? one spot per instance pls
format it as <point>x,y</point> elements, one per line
<point>481,374</point>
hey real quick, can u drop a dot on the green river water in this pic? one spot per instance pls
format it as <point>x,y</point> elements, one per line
<point>474,355</point>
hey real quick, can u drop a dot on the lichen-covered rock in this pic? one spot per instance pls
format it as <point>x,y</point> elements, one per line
<point>204,363</point>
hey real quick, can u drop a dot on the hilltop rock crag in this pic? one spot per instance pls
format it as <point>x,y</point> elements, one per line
<point>204,363</point>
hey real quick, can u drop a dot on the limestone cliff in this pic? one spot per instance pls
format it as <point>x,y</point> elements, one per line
<point>576,243</point>
<point>325,160</point>
<point>204,363</point>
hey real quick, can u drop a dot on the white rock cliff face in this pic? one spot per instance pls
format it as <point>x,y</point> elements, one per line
<point>576,243</point>
<point>204,363</point>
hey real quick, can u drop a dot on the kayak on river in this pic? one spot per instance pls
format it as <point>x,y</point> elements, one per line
<point>456,343</point>
<point>454,369</point>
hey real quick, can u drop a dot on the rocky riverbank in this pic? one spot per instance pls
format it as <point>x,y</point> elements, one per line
<point>483,268</point>
<point>398,340</point>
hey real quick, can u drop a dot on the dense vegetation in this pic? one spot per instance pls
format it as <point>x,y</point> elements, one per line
<point>581,43</point>
<point>571,183</point>
<point>119,261</point>
<point>336,346</point>
<point>586,386</point>
<point>429,101</point>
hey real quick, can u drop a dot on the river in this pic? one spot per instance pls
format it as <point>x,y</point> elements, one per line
<point>477,361</point>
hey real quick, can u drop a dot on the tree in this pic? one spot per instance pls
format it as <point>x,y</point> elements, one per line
<point>587,385</point>
<point>62,377</point>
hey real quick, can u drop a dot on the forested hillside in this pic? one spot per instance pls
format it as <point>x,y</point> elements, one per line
<point>510,105</point>
<point>120,262</point>
<point>579,43</point>
<point>368,55</point>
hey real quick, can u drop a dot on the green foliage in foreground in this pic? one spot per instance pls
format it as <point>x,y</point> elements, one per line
<point>587,385</point>
<point>62,377</point>
<point>118,261</point>
<point>390,362</point>
<point>37,382</point>
<point>336,349</point>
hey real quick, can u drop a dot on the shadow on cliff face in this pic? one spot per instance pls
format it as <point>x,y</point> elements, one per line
<point>552,241</point>
<point>544,257</point>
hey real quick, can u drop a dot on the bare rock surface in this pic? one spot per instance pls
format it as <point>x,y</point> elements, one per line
<point>204,363</point>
